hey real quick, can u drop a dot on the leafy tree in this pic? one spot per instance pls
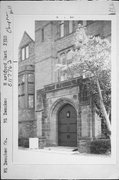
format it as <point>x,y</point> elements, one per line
<point>91,57</point>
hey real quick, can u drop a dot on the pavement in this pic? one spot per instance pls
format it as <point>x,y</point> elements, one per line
<point>58,155</point>
<point>62,150</point>
<point>58,149</point>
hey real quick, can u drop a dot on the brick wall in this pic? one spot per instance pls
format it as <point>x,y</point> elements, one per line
<point>26,114</point>
<point>42,74</point>
<point>27,129</point>
<point>43,49</point>
<point>43,54</point>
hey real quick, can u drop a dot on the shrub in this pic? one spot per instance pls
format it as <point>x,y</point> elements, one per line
<point>100,146</point>
<point>24,142</point>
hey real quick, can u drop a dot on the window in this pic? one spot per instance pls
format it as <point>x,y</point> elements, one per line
<point>30,86</point>
<point>31,78</point>
<point>21,91</point>
<point>42,35</point>
<point>25,53</point>
<point>23,78</point>
<point>84,93</point>
<point>63,58</point>
<point>69,56</point>
<point>84,23</point>
<point>68,114</point>
<point>63,76</point>
<point>61,28</point>
<point>66,27</point>
<point>66,55</point>
<point>70,26</point>
<point>30,101</point>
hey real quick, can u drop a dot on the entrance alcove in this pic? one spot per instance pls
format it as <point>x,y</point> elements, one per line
<point>67,126</point>
<point>56,129</point>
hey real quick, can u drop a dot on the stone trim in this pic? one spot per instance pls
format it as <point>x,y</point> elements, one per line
<point>63,84</point>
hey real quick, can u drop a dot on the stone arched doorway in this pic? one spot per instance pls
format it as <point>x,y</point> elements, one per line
<point>55,110</point>
<point>67,126</point>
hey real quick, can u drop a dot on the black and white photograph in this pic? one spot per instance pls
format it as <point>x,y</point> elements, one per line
<point>59,84</point>
<point>64,87</point>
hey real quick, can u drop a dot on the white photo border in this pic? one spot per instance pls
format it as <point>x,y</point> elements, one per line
<point>27,161</point>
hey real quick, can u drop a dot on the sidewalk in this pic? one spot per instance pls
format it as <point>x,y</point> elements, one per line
<point>58,155</point>
<point>58,149</point>
<point>63,150</point>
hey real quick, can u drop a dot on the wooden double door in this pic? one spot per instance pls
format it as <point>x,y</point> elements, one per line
<point>67,126</point>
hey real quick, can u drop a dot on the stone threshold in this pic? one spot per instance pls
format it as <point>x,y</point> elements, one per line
<point>62,148</point>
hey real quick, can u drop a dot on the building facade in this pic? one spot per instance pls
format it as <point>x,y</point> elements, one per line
<point>64,112</point>
<point>26,87</point>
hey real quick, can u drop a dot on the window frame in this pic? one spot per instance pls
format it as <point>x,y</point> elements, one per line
<point>28,80</point>
<point>61,29</point>
<point>23,54</point>
<point>63,76</point>
<point>68,114</point>
<point>26,51</point>
<point>31,95</point>
<point>71,28</point>
<point>66,28</point>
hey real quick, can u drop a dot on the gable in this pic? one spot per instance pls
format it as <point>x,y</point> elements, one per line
<point>26,39</point>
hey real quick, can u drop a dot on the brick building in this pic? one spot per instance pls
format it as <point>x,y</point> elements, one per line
<point>26,88</point>
<point>64,112</point>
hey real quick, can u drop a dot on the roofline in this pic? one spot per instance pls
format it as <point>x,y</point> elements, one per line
<point>28,36</point>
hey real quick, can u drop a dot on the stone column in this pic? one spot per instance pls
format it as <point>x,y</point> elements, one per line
<point>39,128</point>
<point>97,126</point>
<point>93,122</point>
<point>39,124</point>
<point>86,129</point>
